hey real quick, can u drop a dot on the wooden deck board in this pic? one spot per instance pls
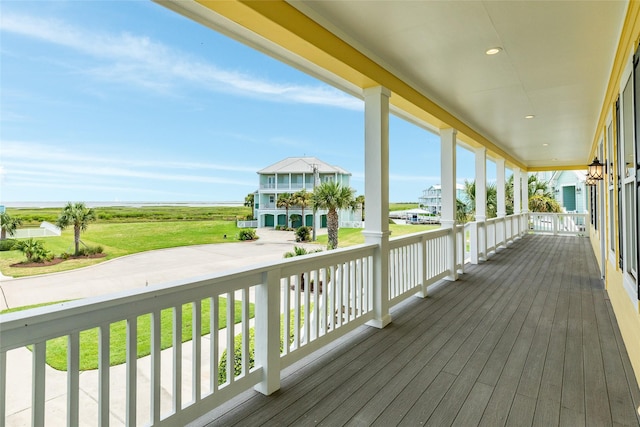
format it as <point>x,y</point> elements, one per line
<point>526,338</point>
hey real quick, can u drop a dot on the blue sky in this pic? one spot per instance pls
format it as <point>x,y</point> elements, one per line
<point>128,101</point>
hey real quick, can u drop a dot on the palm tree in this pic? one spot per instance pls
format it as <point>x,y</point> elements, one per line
<point>359,203</point>
<point>285,200</point>
<point>332,197</point>
<point>302,198</point>
<point>9,225</point>
<point>77,215</point>
<point>492,199</point>
<point>249,200</point>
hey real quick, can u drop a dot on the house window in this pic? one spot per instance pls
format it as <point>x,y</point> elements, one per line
<point>611,189</point>
<point>628,171</point>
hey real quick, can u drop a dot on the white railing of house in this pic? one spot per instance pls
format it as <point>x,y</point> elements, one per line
<point>559,223</point>
<point>284,301</point>
<point>351,224</point>
<point>46,230</point>
<point>247,224</point>
<point>486,237</point>
<point>416,261</point>
<point>268,186</point>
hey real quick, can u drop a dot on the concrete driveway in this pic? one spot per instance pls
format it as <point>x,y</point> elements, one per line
<point>145,269</point>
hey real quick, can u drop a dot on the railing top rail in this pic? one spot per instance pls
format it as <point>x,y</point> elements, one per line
<point>399,241</point>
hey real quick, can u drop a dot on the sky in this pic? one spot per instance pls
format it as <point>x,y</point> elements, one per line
<point>122,101</point>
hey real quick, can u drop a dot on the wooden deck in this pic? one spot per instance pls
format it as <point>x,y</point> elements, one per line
<point>527,338</point>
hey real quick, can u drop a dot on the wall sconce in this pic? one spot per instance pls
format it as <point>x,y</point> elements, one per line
<point>595,169</point>
<point>590,181</point>
<point>578,190</point>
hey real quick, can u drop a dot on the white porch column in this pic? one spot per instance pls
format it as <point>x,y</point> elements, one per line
<point>481,202</point>
<point>376,192</point>
<point>448,200</point>
<point>525,203</point>
<point>501,195</point>
<point>517,199</point>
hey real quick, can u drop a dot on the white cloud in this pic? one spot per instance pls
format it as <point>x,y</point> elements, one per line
<point>29,152</point>
<point>140,61</point>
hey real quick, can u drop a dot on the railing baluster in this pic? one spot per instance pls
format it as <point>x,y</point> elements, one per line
<point>231,354</point>
<point>196,337</point>
<point>132,370</point>
<point>286,307</point>
<point>104,358</point>
<point>296,312</point>
<point>245,331</point>
<point>155,367</point>
<point>214,304</point>
<point>316,304</point>
<point>38,384</point>
<point>307,301</point>
<point>73,379</point>
<point>3,385</point>
<point>177,358</point>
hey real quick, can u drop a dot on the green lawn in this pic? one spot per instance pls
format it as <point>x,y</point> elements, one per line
<point>57,348</point>
<point>402,206</point>
<point>120,239</point>
<point>353,236</point>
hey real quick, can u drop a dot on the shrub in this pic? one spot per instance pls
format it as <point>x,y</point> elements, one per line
<point>303,234</point>
<point>34,250</point>
<point>237,346</point>
<point>237,361</point>
<point>7,244</point>
<point>247,234</point>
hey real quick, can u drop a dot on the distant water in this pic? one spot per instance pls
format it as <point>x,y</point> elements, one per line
<point>123,204</point>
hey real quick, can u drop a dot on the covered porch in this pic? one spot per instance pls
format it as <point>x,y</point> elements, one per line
<point>527,338</point>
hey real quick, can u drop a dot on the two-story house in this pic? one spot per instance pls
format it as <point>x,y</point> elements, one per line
<point>291,175</point>
<point>431,199</point>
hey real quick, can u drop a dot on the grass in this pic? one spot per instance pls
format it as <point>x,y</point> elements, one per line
<point>34,216</point>
<point>353,236</point>
<point>120,239</point>
<point>402,206</point>
<point>57,347</point>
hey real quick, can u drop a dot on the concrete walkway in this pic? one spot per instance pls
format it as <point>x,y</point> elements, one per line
<point>146,269</point>
<point>130,272</point>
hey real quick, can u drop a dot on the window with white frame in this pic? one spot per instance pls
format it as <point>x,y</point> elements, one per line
<point>612,190</point>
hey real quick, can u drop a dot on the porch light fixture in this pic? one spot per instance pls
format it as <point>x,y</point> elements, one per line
<point>590,181</point>
<point>595,169</point>
<point>493,50</point>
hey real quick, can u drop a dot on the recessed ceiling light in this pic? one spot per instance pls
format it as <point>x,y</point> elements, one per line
<point>530,116</point>
<point>493,50</point>
<point>545,145</point>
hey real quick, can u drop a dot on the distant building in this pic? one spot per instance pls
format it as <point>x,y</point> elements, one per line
<point>290,176</point>
<point>431,199</point>
<point>569,190</point>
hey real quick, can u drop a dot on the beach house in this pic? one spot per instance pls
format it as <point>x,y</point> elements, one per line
<point>289,176</point>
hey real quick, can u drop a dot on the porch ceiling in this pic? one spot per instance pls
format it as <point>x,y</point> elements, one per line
<point>555,62</point>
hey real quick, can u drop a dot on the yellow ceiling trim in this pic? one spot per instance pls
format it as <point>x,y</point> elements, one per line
<point>284,25</point>
<point>629,37</point>
<point>558,168</point>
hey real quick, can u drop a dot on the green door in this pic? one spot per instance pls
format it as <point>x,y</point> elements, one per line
<point>282,219</point>
<point>268,220</point>
<point>309,220</point>
<point>569,198</point>
<point>323,221</point>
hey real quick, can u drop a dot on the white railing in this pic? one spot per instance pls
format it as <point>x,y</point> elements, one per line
<point>559,223</point>
<point>351,224</point>
<point>311,300</point>
<point>46,230</point>
<point>268,186</point>
<point>486,237</point>
<point>247,224</point>
<point>416,261</point>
